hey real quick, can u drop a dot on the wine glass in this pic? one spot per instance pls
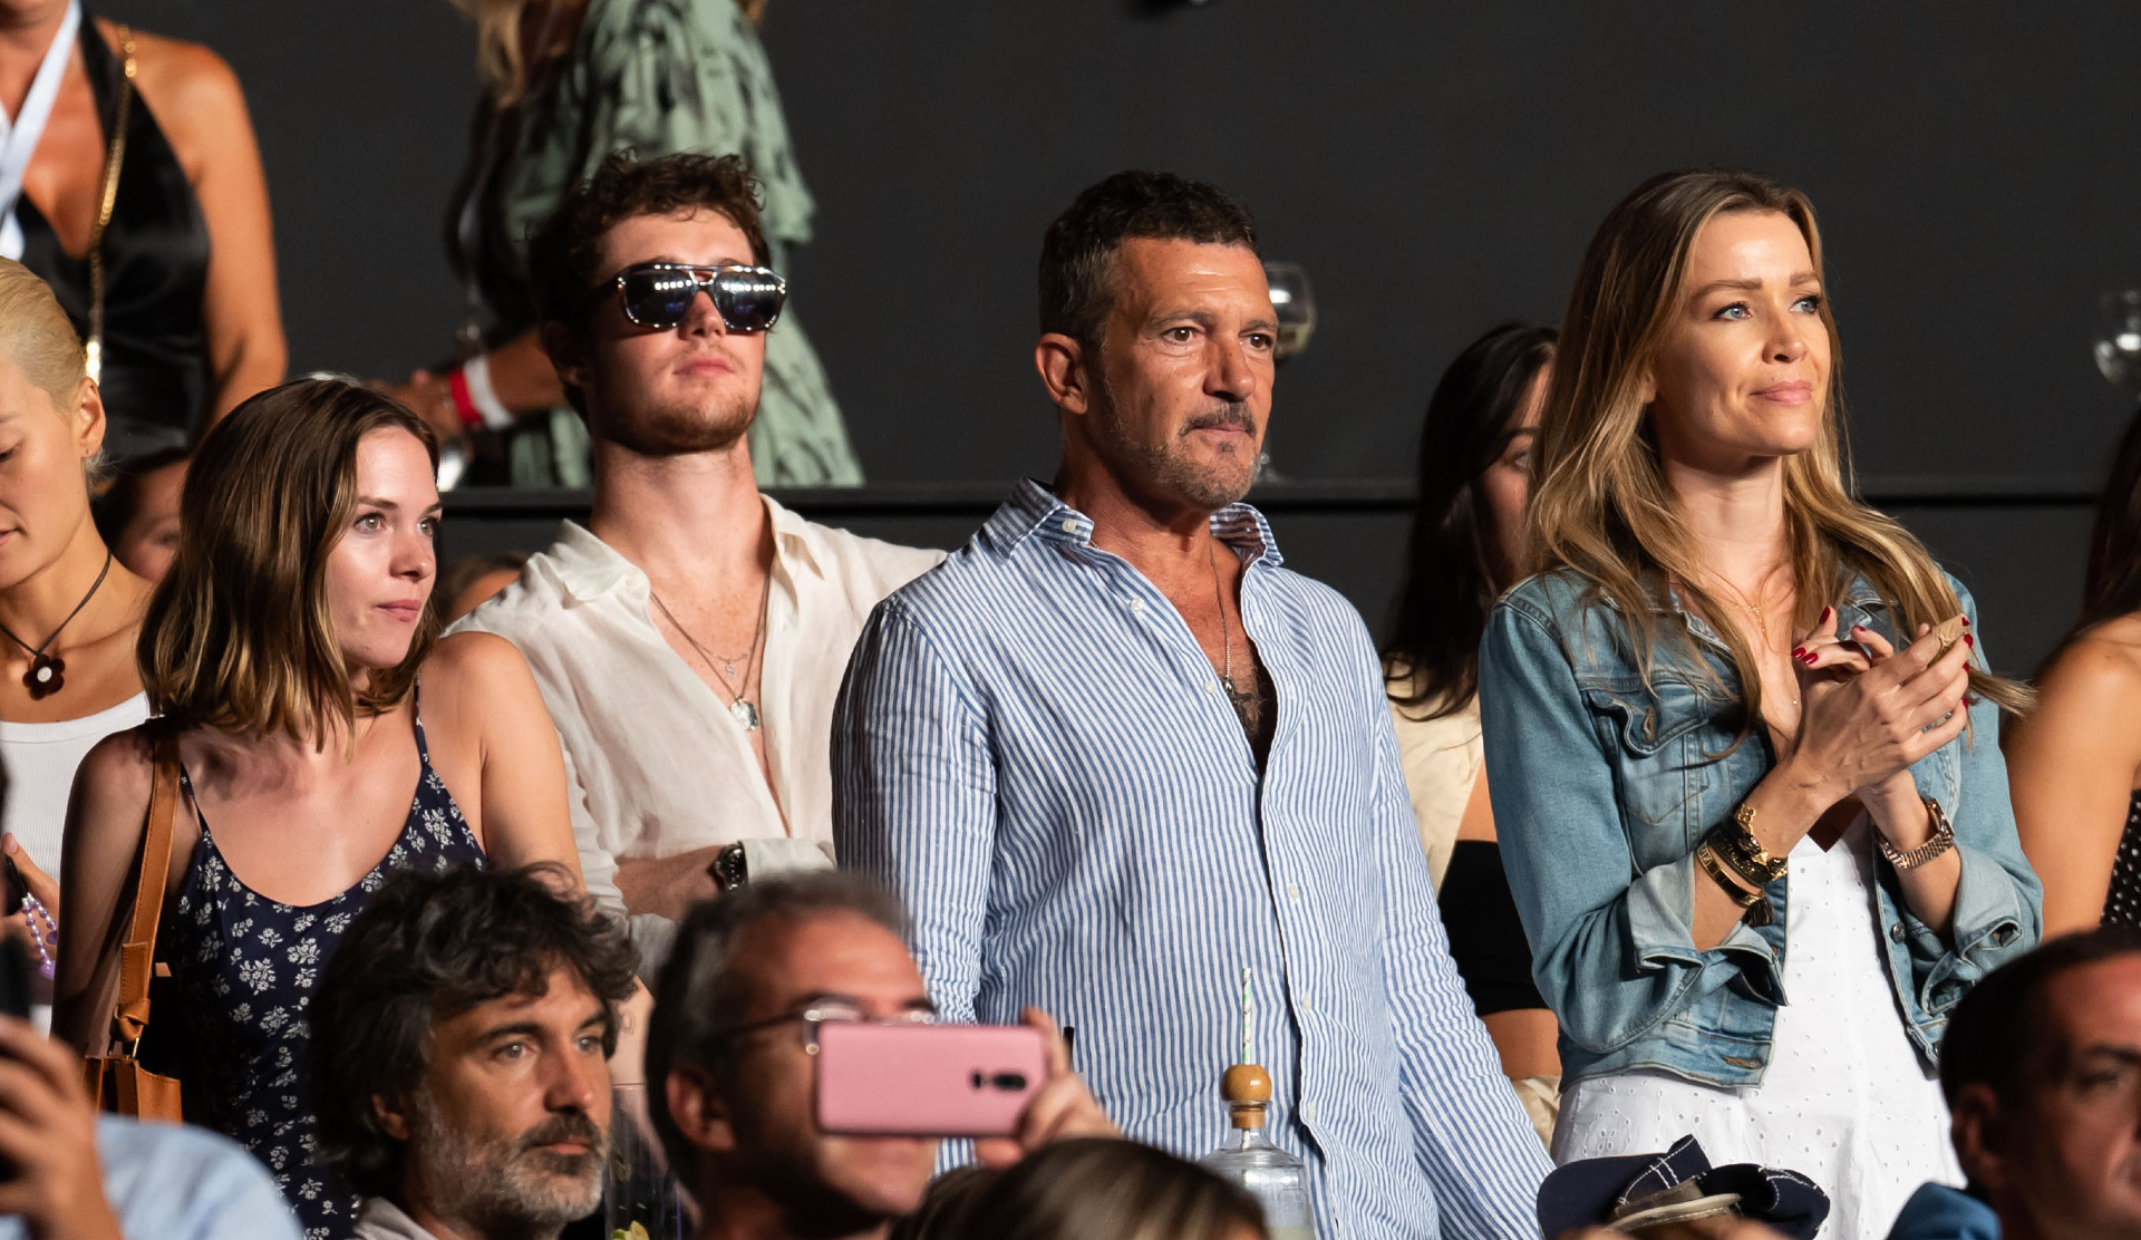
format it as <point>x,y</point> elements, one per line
<point>2118,338</point>
<point>1295,303</point>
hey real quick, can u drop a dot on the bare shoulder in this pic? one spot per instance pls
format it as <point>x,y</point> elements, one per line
<point>2102,668</point>
<point>473,652</point>
<point>110,795</point>
<point>119,767</point>
<point>474,666</point>
<point>2089,697</point>
<point>192,90</point>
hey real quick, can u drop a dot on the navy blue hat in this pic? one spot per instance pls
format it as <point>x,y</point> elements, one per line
<point>1635,1190</point>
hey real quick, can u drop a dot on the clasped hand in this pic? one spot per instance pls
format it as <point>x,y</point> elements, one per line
<point>1869,711</point>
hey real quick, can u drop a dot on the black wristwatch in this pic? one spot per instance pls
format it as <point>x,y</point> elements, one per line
<point>730,868</point>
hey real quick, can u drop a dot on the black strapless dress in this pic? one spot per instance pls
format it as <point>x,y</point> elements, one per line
<point>155,380</point>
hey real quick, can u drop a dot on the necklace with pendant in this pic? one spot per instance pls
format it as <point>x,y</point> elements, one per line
<point>1761,620</point>
<point>742,709</point>
<point>48,672</point>
<point>1247,706</point>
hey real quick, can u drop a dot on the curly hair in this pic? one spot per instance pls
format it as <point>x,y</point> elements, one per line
<point>431,947</point>
<point>1078,252</point>
<point>567,249</point>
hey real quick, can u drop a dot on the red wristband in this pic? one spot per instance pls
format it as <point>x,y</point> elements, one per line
<point>463,403</point>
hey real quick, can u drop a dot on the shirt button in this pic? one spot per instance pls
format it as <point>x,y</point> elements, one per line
<point>1896,932</point>
<point>1137,605</point>
<point>1211,686</point>
<point>1069,526</point>
<point>1308,1110</point>
<point>1293,892</point>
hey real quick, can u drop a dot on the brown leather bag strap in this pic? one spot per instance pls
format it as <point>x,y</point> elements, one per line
<point>137,959</point>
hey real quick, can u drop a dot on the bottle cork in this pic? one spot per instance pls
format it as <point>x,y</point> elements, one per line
<point>1246,1087</point>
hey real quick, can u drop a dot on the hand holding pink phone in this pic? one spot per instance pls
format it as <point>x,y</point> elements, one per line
<point>927,1080</point>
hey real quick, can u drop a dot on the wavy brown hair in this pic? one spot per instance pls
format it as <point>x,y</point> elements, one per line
<point>1601,505</point>
<point>238,635</point>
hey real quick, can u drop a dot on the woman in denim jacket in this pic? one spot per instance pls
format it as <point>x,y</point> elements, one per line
<point>1743,752</point>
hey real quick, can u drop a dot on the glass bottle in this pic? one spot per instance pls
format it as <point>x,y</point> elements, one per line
<point>1248,1158</point>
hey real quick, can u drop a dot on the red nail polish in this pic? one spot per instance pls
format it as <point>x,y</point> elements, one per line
<point>1966,622</point>
<point>1799,652</point>
<point>1824,615</point>
<point>1969,640</point>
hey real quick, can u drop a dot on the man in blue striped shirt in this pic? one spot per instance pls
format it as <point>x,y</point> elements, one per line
<point>1111,754</point>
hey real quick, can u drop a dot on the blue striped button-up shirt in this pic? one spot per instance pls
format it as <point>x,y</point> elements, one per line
<point>1031,748</point>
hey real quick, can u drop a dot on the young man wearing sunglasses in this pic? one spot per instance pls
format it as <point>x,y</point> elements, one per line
<point>731,1063</point>
<point>689,640</point>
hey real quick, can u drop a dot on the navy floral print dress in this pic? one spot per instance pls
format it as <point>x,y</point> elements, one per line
<point>246,967</point>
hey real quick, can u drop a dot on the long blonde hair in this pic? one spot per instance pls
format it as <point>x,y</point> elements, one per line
<point>238,635</point>
<point>1601,505</point>
<point>502,62</point>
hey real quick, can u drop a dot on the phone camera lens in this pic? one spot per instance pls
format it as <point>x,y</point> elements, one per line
<point>1010,1082</point>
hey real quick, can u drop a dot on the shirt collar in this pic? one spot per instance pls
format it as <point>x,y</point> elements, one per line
<point>590,568</point>
<point>381,1218</point>
<point>1033,511</point>
<point>794,544</point>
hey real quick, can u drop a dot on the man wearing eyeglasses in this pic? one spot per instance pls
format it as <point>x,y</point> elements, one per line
<point>689,640</point>
<point>731,1064</point>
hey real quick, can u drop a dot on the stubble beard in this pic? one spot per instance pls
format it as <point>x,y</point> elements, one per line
<point>503,1185</point>
<point>1168,468</point>
<point>679,428</point>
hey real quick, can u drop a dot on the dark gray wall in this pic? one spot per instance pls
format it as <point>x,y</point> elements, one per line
<point>1437,167</point>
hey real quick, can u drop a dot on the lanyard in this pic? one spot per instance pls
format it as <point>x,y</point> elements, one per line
<point>18,139</point>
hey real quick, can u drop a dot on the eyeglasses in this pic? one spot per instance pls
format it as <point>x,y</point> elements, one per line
<point>749,299</point>
<point>820,1014</point>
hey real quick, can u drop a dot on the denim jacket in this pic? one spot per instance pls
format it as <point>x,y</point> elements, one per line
<point>1602,786</point>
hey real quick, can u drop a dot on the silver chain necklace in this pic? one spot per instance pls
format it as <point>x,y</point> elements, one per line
<point>1246,705</point>
<point>741,708</point>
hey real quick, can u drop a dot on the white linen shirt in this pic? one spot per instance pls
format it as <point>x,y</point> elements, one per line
<point>656,764</point>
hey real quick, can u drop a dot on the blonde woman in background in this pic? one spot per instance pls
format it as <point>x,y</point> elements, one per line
<point>283,655</point>
<point>1751,802</point>
<point>566,83</point>
<point>69,612</point>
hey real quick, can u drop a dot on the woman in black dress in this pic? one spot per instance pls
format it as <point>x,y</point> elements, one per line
<point>283,656</point>
<point>189,323</point>
<point>2075,765</point>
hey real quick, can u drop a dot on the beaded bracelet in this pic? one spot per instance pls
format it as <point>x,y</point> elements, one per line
<point>44,931</point>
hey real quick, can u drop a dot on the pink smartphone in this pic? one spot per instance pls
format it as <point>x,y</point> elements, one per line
<point>927,1080</point>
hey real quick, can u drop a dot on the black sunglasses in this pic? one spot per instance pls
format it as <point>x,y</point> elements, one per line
<point>659,295</point>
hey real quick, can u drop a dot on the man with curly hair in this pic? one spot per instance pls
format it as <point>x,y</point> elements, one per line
<point>460,1055</point>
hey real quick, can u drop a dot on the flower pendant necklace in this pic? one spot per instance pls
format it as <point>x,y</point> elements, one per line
<point>48,672</point>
